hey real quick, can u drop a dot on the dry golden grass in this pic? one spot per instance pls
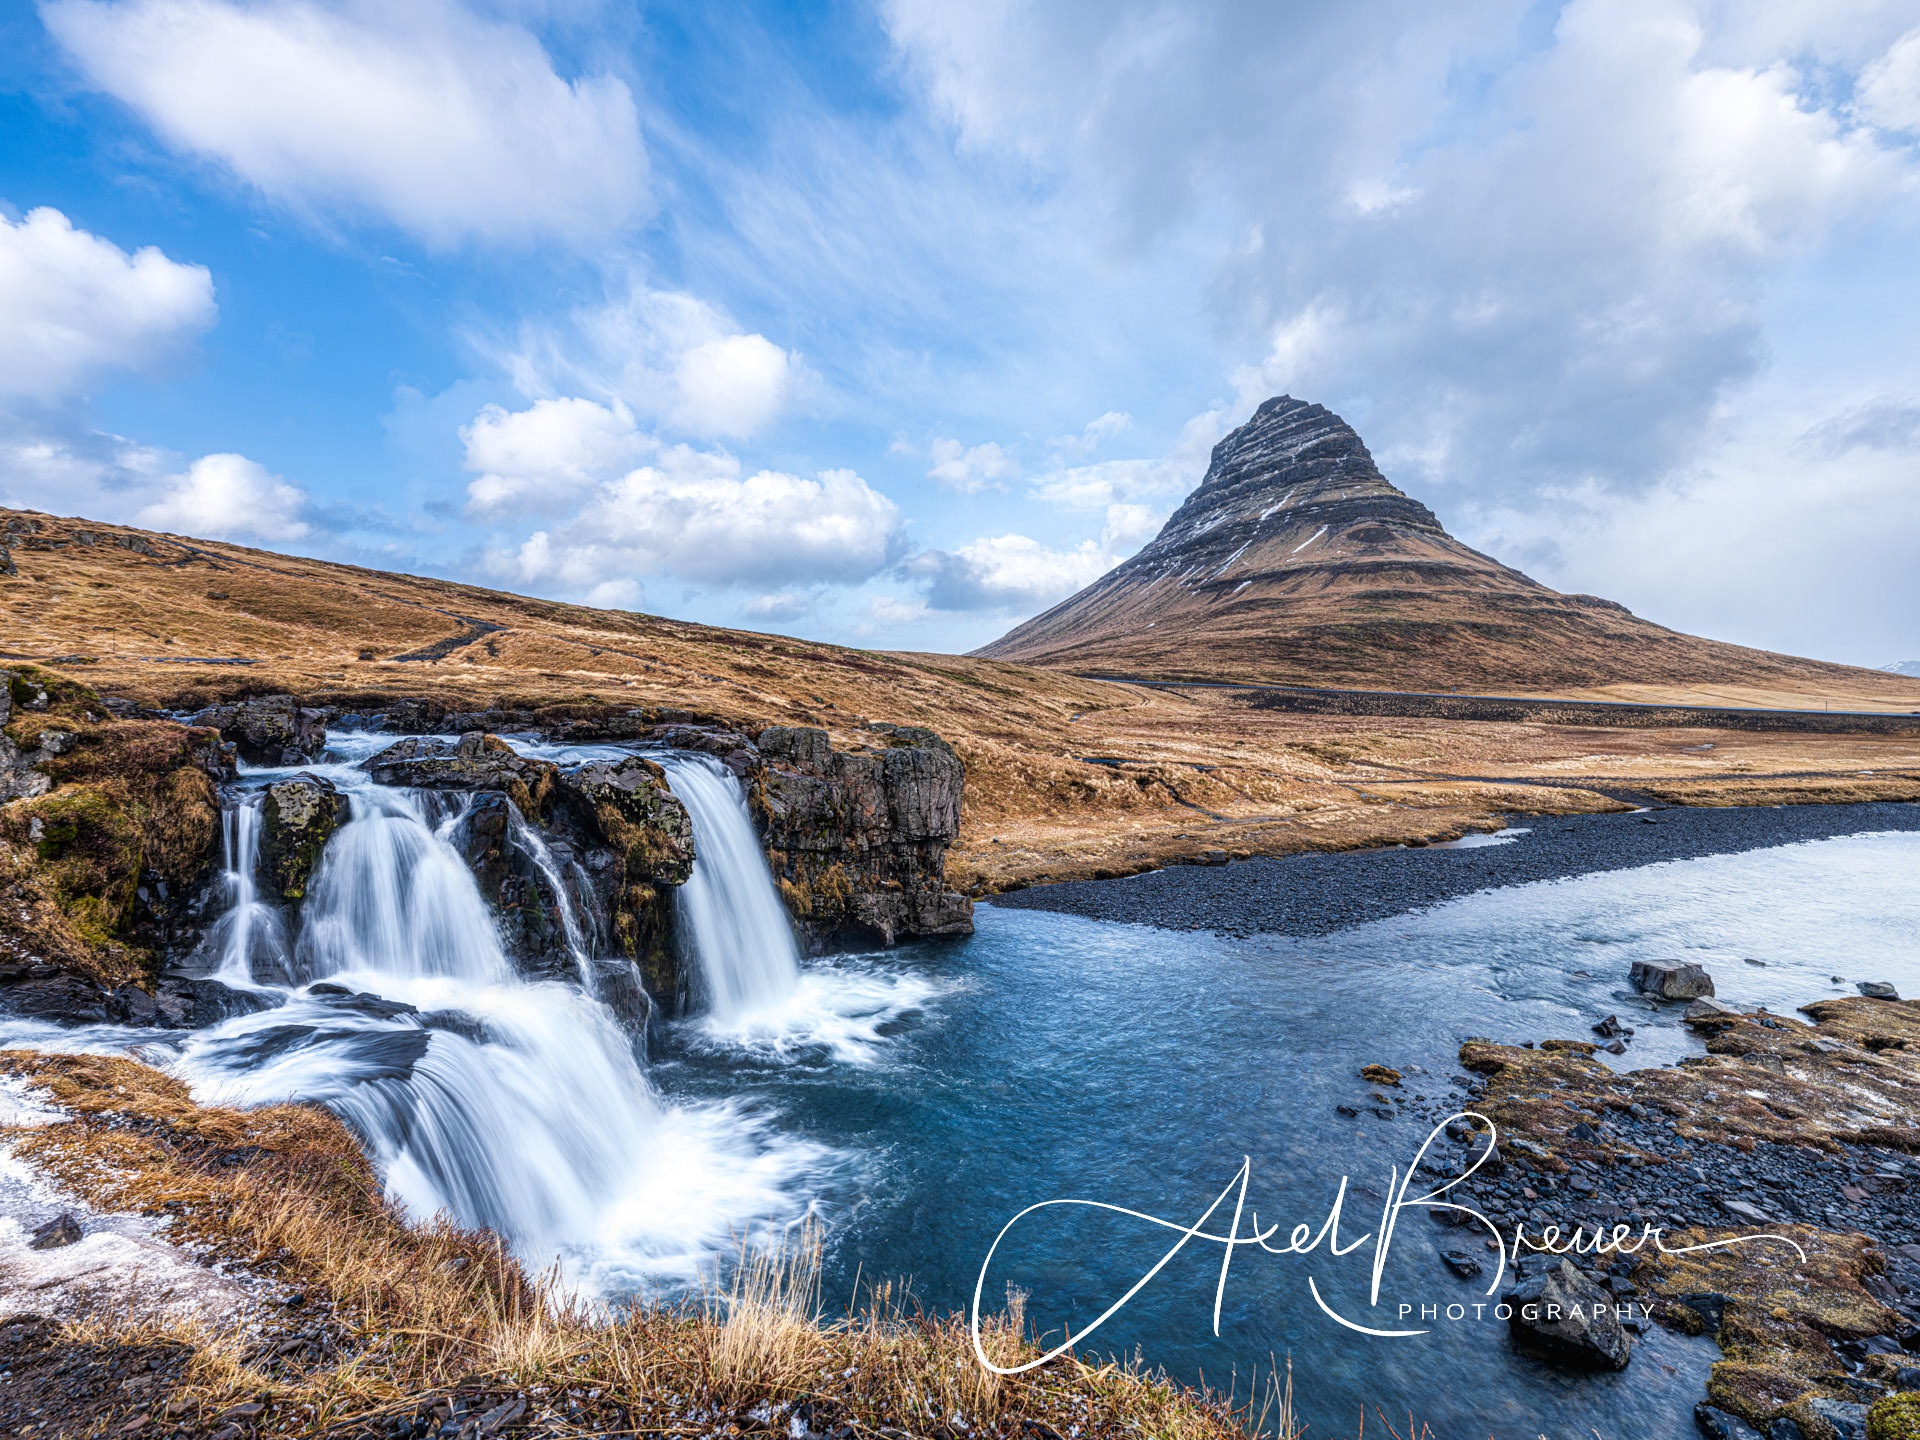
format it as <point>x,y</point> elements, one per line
<point>416,1314</point>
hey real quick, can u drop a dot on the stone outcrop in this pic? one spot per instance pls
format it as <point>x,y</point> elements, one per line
<point>270,730</point>
<point>108,831</point>
<point>476,761</point>
<point>858,839</point>
<point>1564,1317</point>
<point>297,818</point>
<point>606,840</point>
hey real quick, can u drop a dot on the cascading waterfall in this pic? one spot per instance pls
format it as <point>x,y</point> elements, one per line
<point>249,935</point>
<point>735,927</point>
<point>503,1102</point>
<point>528,839</point>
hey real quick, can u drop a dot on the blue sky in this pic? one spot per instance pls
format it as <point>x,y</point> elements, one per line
<point>893,323</point>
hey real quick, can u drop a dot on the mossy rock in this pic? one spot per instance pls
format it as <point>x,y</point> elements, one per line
<point>89,847</point>
<point>1897,1417</point>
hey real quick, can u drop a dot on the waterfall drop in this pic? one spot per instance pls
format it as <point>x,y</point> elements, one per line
<point>735,928</point>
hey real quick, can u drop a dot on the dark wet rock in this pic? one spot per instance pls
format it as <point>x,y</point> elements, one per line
<point>458,1022</point>
<point>270,730</point>
<point>1671,979</point>
<point>1719,1425</point>
<point>1846,1419</point>
<point>215,1000</point>
<point>1463,1263</point>
<point>522,898</point>
<point>618,986</point>
<point>1611,1028</point>
<point>858,838</point>
<point>362,1002</point>
<point>1877,990</point>
<point>476,761</point>
<point>297,818</point>
<point>61,1230</point>
<point>1566,1318</point>
<point>635,845</point>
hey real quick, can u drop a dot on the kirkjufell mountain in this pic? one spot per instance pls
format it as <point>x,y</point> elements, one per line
<point>1296,562</point>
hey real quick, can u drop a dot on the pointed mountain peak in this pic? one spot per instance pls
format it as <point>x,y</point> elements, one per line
<point>1295,561</point>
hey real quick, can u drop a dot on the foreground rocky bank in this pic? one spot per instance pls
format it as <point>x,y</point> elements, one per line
<point>112,843</point>
<point>1804,1129</point>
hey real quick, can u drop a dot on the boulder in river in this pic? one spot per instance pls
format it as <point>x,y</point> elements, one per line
<point>1564,1317</point>
<point>1717,1424</point>
<point>267,730</point>
<point>297,818</point>
<point>62,1230</point>
<point>476,761</point>
<point>1671,979</point>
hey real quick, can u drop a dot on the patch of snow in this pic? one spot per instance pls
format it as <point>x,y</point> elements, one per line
<point>1308,541</point>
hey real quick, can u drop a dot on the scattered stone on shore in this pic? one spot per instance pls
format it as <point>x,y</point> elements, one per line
<point>1379,1075</point>
<point>1611,1029</point>
<point>1719,1425</point>
<point>1798,1130</point>
<point>1671,979</point>
<point>63,1229</point>
<point>1564,1317</point>
<point>1707,1009</point>
<point>1463,1263</point>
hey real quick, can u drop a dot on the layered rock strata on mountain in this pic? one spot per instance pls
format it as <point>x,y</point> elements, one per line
<point>109,833</point>
<point>1296,562</point>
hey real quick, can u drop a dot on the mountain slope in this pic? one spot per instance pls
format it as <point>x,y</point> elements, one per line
<point>1296,562</point>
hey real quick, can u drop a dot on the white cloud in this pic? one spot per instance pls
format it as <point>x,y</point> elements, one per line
<point>694,517</point>
<point>967,470</point>
<point>1107,483</point>
<point>782,606</point>
<point>549,456</point>
<point>1011,574</point>
<point>1889,90</point>
<point>1095,433</point>
<point>1129,527</point>
<point>668,355</point>
<point>225,497</point>
<point>1534,257</point>
<point>733,386</point>
<point>451,126</point>
<point>73,304</point>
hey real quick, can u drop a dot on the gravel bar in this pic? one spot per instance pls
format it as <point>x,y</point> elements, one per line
<point>1317,894</point>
